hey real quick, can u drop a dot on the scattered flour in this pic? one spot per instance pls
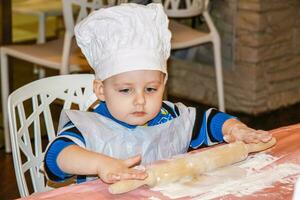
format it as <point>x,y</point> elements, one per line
<point>257,161</point>
<point>153,198</point>
<point>240,179</point>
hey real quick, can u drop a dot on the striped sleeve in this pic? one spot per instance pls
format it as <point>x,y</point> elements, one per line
<point>207,129</point>
<point>69,135</point>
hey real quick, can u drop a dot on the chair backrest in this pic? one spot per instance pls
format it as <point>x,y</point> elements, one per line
<point>183,8</point>
<point>31,110</point>
<point>74,11</point>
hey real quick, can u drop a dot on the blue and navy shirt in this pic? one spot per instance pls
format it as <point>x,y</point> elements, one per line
<point>206,131</point>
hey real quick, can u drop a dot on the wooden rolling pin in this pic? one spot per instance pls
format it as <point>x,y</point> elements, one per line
<point>192,165</point>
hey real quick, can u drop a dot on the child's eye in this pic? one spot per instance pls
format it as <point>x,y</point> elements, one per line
<point>126,90</point>
<point>151,89</point>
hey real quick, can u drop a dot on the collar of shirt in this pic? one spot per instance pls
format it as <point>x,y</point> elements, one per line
<point>162,117</point>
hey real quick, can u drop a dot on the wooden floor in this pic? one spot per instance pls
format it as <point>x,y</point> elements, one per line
<point>266,121</point>
<point>8,185</point>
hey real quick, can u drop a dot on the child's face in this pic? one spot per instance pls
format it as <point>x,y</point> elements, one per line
<point>133,97</point>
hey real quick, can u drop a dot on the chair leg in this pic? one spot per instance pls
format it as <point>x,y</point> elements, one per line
<point>41,39</point>
<point>66,52</point>
<point>219,75</point>
<point>42,29</point>
<point>40,72</point>
<point>217,58</point>
<point>5,92</point>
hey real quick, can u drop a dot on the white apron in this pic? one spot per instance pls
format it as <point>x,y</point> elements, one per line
<point>105,136</point>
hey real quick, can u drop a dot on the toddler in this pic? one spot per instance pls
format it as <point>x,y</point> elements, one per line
<point>128,47</point>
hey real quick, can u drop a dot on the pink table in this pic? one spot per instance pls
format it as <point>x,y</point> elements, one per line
<point>287,150</point>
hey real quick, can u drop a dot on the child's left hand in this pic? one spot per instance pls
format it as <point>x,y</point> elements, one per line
<point>234,130</point>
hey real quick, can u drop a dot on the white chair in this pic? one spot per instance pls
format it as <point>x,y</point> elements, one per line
<point>31,110</point>
<point>61,54</point>
<point>184,36</point>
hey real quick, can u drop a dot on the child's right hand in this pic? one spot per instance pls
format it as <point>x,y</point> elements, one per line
<point>113,170</point>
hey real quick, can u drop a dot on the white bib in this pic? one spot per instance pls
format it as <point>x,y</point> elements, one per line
<point>105,136</point>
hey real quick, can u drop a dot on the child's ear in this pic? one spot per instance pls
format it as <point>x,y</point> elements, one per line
<point>99,89</point>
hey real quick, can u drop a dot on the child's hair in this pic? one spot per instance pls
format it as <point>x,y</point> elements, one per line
<point>125,38</point>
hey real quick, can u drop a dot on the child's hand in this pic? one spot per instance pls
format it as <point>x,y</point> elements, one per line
<point>234,130</point>
<point>113,170</point>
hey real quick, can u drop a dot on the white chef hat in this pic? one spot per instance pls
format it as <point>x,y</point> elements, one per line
<point>125,38</point>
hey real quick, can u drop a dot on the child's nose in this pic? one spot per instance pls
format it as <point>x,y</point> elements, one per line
<point>140,98</point>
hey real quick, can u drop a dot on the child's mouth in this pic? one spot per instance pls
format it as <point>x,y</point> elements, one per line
<point>139,114</point>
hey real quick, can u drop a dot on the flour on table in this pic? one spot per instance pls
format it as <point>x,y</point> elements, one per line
<point>153,198</point>
<point>257,161</point>
<point>241,179</point>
